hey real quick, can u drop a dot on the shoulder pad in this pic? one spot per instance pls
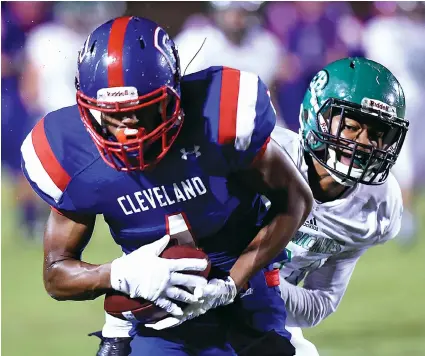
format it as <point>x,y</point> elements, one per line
<point>243,103</point>
<point>238,112</point>
<point>46,159</point>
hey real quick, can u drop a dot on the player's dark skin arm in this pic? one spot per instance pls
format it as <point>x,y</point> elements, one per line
<point>65,276</point>
<point>275,176</point>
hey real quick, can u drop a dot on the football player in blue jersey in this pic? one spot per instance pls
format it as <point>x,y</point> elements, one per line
<point>160,156</point>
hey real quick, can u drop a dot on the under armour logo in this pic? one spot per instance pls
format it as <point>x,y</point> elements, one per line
<point>195,152</point>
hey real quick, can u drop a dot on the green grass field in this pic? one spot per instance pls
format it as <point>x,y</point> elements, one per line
<point>382,314</point>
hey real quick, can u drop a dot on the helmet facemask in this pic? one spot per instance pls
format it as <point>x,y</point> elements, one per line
<point>132,148</point>
<point>334,144</point>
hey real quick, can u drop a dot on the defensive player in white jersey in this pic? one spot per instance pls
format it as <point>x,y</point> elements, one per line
<point>352,130</point>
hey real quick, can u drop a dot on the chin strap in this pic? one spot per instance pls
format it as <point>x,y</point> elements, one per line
<point>355,173</point>
<point>338,166</point>
<point>338,179</point>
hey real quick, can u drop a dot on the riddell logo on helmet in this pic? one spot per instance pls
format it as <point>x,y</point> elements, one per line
<point>378,105</point>
<point>117,93</point>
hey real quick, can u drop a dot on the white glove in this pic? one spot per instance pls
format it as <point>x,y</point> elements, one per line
<point>217,292</point>
<point>142,274</point>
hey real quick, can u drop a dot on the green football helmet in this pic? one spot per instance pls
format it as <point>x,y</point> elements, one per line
<point>354,89</point>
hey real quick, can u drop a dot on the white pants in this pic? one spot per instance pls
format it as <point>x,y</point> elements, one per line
<point>302,346</point>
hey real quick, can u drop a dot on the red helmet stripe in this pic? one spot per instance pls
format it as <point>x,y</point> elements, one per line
<point>115,51</point>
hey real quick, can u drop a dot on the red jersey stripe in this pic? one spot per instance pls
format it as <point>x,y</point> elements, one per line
<point>228,105</point>
<point>47,158</point>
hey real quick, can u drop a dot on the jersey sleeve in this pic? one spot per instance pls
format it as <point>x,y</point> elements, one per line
<point>43,169</point>
<point>394,211</point>
<point>246,117</point>
<point>322,291</point>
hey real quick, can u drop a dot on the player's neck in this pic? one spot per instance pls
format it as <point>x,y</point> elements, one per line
<point>324,187</point>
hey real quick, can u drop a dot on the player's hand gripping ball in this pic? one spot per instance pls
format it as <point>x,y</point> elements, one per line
<point>121,306</point>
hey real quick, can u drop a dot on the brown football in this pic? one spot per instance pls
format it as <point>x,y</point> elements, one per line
<point>121,306</point>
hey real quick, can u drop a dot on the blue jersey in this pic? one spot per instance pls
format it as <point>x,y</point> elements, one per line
<point>190,193</point>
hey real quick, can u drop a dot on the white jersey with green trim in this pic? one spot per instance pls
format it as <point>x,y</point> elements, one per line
<point>326,248</point>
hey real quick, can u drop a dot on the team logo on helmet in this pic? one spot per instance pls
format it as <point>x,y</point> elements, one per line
<point>83,52</point>
<point>319,81</point>
<point>317,84</point>
<point>163,44</point>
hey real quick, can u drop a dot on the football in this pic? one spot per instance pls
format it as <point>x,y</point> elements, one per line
<point>121,306</point>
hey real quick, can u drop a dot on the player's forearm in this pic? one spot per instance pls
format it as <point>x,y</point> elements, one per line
<point>272,239</point>
<point>72,279</point>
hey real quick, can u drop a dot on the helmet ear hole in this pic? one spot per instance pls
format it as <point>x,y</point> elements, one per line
<point>142,43</point>
<point>305,115</point>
